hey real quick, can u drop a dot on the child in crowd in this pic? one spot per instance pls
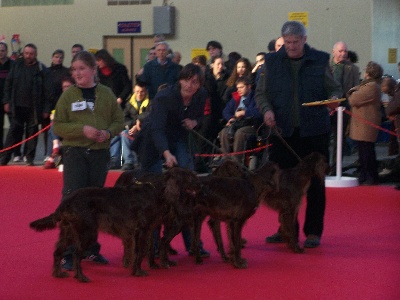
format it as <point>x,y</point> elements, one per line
<point>87,116</point>
<point>55,156</point>
<point>136,109</point>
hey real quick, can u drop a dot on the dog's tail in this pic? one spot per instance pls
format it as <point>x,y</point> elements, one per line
<point>46,223</point>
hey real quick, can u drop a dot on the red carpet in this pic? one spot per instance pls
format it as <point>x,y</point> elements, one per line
<point>359,257</point>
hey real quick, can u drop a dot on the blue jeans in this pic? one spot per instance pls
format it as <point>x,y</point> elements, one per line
<point>51,137</point>
<point>128,155</point>
<point>115,147</point>
<point>185,160</point>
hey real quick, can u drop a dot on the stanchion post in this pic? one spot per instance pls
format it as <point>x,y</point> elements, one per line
<point>339,180</point>
<point>339,141</point>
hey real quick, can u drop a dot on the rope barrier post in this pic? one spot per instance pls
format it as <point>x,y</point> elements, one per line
<point>339,141</point>
<point>338,180</point>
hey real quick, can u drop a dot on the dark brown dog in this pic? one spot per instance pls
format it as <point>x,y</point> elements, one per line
<point>286,199</point>
<point>293,185</point>
<point>131,213</point>
<point>234,201</point>
<point>230,168</point>
<point>180,215</point>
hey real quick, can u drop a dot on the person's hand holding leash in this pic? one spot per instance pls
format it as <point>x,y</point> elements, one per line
<point>269,118</point>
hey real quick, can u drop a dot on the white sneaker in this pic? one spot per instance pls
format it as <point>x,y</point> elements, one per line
<point>46,158</point>
<point>385,171</point>
<point>17,159</point>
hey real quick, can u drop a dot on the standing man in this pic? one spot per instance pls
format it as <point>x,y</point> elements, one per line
<point>5,66</point>
<point>76,48</point>
<point>294,75</point>
<point>160,70</point>
<point>348,75</point>
<point>57,73</point>
<point>27,96</point>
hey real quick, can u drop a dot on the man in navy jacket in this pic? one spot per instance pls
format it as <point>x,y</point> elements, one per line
<point>294,75</point>
<point>159,71</point>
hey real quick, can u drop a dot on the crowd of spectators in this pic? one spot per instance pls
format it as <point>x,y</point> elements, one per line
<point>166,105</point>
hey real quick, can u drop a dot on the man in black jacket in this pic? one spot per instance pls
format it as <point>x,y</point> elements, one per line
<point>5,66</point>
<point>27,97</point>
<point>294,75</point>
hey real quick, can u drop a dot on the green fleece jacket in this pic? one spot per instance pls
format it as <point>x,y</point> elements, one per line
<point>107,115</point>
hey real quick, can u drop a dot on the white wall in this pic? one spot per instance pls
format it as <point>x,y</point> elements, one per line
<point>386,33</point>
<point>243,26</point>
<point>369,27</point>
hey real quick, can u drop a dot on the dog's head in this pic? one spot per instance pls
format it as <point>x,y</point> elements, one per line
<point>230,168</point>
<point>180,185</point>
<point>130,177</point>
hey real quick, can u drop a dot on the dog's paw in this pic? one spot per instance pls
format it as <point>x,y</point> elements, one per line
<point>82,278</point>
<point>296,248</point>
<point>154,265</point>
<point>168,263</point>
<point>225,259</point>
<point>240,263</point>
<point>60,274</point>
<point>172,263</point>
<point>140,273</point>
<point>127,263</point>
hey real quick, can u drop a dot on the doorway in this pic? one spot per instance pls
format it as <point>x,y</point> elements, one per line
<point>130,51</point>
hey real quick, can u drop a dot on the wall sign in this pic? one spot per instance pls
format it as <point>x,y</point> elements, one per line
<point>129,27</point>
<point>301,16</point>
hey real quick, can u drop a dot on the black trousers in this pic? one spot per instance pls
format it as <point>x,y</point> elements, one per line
<point>84,167</point>
<point>23,119</point>
<point>316,198</point>
<point>2,119</point>
<point>368,163</point>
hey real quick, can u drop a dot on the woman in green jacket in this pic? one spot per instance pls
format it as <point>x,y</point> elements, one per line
<point>87,116</point>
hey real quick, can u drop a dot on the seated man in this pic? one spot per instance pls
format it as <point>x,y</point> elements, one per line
<point>242,118</point>
<point>136,109</point>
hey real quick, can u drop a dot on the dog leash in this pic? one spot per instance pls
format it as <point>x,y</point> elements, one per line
<point>278,134</point>
<point>206,140</point>
<point>210,143</point>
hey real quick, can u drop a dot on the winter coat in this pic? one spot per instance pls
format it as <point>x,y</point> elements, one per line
<point>365,103</point>
<point>155,75</point>
<point>118,81</point>
<point>42,93</point>
<point>132,114</point>
<point>69,124</point>
<point>393,108</point>
<point>315,83</point>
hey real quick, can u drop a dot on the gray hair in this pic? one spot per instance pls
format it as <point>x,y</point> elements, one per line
<point>163,43</point>
<point>293,28</point>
